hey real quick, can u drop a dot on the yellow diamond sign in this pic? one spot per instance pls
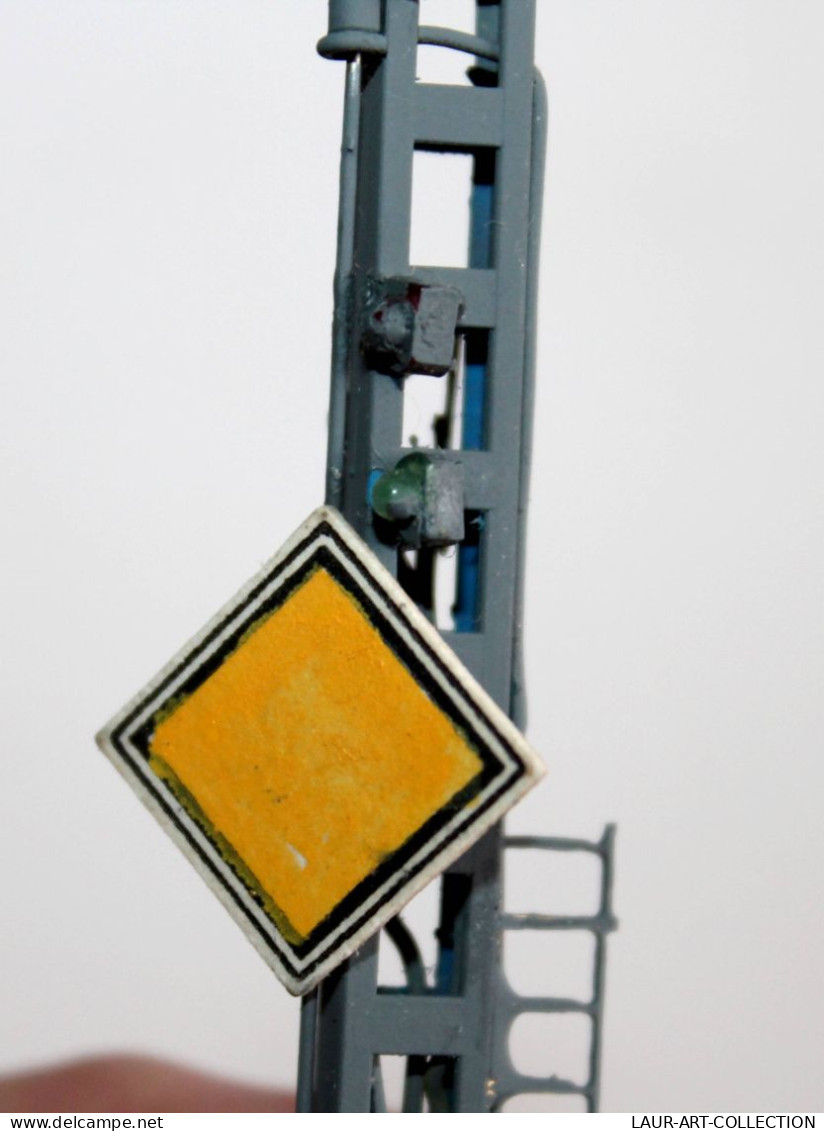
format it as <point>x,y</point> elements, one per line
<point>318,752</point>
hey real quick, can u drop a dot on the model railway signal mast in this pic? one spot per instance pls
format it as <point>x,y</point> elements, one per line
<point>318,750</point>
<point>472,327</point>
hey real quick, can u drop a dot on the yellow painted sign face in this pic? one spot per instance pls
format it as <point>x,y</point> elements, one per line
<point>318,752</point>
<point>327,778</point>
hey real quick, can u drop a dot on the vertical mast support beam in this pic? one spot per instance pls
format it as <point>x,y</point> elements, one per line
<point>449,1030</point>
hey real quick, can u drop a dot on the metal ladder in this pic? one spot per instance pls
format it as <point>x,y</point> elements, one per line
<point>510,1082</point>
<point>452,1031</point>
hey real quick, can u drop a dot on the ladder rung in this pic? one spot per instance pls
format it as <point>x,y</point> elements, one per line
<point>601,924</point>
<point>516,1004</point>
<point>555,844</point>
<point>518,1084</point>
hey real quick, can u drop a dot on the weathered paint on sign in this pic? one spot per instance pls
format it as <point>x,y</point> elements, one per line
<point>318,752</point>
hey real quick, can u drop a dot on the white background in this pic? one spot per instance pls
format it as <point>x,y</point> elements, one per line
<point>167,208</point>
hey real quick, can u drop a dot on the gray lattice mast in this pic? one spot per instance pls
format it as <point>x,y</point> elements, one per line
<point>473,327</point>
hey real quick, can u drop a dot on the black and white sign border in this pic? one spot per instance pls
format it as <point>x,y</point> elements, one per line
<point>511,767</point>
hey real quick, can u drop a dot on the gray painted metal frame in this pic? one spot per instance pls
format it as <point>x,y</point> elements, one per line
<point>510,1082</point>
<point>453,1031</point>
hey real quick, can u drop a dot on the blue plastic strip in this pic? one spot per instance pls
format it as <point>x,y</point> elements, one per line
<point>480,237</point>
<point>472,436</point>
<point>475,372</point>
<point>466,612</point>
